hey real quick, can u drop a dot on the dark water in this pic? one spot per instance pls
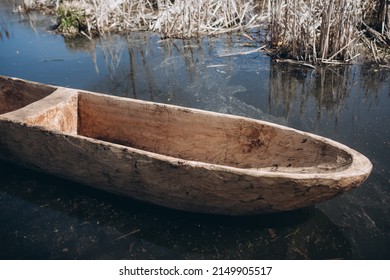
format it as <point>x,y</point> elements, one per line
<point>42,217</point>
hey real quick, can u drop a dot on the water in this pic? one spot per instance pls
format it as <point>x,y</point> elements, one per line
<point>47,218</point>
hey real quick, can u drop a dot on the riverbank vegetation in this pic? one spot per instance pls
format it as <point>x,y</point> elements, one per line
<point>173,19</point>
<point>329,31</point>
<point>314,31</point>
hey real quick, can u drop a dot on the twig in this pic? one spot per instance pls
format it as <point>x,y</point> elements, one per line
<point>340,50</point>
<point>296,62</point>
<point>248,36</point>
<point>375,33</point>
<point>216,65</point>
<point>242,53</point>
<point>123,236</point>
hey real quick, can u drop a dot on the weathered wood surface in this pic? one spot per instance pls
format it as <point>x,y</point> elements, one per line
<point>177,157</point>
<point>16,93</point>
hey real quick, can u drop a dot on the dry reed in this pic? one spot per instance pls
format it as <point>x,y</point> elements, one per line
<point>315,30</point>
<point>328,31</point>
<point>179,19</point>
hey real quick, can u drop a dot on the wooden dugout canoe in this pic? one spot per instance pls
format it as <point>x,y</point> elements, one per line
<point>172,156</point>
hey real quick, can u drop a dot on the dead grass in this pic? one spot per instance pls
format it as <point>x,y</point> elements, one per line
<point>314,31</point>
<point>178,19</point>
<point>328,31</point>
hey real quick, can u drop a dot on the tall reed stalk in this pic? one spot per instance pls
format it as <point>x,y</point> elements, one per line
<point>182,19</point>
<point>319,31</point>
<point>325,31</point>
<point>316,30</point>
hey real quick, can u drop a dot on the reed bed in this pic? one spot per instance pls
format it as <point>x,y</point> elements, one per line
<point>307,31</point>
<point>327,31</point>
<point>173,19</point>
<point>316,30</point>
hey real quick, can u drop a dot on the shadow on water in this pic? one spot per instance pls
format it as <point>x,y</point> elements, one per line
<point>48,218</point>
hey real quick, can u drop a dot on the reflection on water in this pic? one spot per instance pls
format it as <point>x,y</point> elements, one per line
<point>324,93</point>
<point>43,217</point>
<point>3,29</point>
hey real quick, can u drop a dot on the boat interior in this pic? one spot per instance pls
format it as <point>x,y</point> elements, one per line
<point>173,131</point>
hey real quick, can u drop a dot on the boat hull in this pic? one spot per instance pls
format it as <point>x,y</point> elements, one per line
<point>65,147</point>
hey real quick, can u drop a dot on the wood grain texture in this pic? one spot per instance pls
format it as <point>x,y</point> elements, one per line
<point>178,157</point>
<point>16,93</point>
<point>206,137</point>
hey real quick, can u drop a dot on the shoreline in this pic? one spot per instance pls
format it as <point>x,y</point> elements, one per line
<point>327,40</point>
